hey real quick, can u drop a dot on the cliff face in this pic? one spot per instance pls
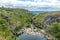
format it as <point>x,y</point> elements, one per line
<point>49,20</point>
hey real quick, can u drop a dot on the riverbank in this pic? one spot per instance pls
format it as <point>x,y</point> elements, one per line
<point>36,31</point>
<point>42,33</point>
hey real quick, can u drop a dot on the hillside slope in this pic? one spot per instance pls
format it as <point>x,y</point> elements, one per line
<point>12,19</point>
<point>46,18</point>
<point>49,21</point>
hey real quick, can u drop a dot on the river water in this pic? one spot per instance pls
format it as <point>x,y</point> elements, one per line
<point>32,37</point>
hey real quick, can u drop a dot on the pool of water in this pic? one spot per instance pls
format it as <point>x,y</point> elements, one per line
<point>32,37</point>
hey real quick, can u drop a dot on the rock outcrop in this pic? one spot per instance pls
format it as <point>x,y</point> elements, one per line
<point>50,19</point>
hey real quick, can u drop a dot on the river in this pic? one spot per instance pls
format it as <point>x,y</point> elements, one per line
<point>32,37</point>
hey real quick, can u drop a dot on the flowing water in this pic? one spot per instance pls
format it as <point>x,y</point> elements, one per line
<point>32,37</point>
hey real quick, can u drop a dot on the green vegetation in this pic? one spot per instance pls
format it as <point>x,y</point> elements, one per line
<point>17,17</point>
<point>5,34</point>
<point>55,30</point>
<point>39,19</point>
<point>50,22</point>
<point>14,19</point>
